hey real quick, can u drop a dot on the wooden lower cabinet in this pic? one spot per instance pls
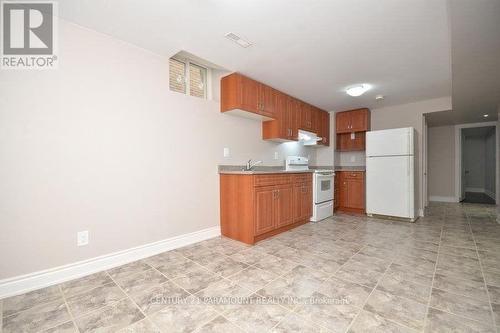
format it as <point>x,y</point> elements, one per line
<point>254,207</point>
<point>351,191</point>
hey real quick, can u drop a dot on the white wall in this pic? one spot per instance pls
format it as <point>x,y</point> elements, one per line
<point>351,158</point>
<point>474,149</point>
<point>101,144</point>
<point>410,115</point>
<point>441,163</point>
<point>490,160</point>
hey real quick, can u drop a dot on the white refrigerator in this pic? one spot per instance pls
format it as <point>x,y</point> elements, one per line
<point>390,173</point>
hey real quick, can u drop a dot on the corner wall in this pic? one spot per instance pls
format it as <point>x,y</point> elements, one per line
<point>410,115</point>
<point>101,144</point>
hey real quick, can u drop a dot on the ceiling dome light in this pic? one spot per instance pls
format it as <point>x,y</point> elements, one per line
<point>358,90</point>
<point>485,115</point>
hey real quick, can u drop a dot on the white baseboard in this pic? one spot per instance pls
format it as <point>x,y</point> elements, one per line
<point>442,198</point>
<point>25,283</point>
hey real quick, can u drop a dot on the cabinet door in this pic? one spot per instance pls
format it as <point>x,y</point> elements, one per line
<point>355,193</point>
<point>284,206</point>
<point>294,117</point>
<point>306,202</point>
<point>324,128</point>
<point>343,122</point>
<point>264,210</point>
<point>305,116</point>
<point>250,94</point>
<point>344,188</point>
<point>358,143</point>
<point>359,120</point>
<point>283,115</point>
<point>268,101</point>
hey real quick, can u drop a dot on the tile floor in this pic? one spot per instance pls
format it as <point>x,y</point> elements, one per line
<point>345,274</point>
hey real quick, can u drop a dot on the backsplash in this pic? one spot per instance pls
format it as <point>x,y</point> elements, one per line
<point>351,158</point>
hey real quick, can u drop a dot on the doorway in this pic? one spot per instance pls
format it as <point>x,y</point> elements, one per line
<point>478,164</point>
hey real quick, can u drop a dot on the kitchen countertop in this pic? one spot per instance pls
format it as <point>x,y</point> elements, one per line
<point>258,170</point>
<point>350,168</point>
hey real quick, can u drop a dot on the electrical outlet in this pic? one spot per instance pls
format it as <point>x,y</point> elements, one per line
<point>276,155</point>
<point>82,238</point>
<point>226,152</point>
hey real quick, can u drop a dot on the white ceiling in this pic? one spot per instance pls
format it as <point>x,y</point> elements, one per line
<point>475,54</point>
<point>312,50</point>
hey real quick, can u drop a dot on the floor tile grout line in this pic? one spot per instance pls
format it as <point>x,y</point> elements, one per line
<point>432,283</point>
<point>68,309</point>
<point>366,301</point>
<point>492,313</point>
<point>130,299</point>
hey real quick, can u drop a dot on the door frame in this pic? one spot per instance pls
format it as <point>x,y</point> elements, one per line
<point>458,157</point>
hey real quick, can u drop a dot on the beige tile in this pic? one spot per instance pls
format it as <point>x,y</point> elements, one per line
<point>253,278</point>
<point>225,266</point>
<point>85,283</point>
<point>336,318</point>
<point>494,292</point>
<point>358,273</point>
<point>367,322</point>
<point>197,280</point>
<point>219,325</point>
<point>352,293</point>
<point>409,273</point>
<point>141,281</point>
<point>178,268</point>
<point>143,326</point>
<point>462,306</point>
<point>37,318</point>
<point>401,310</point>
<point>458,251</point>
<point>293,323</point>
<point>439,321</point>
<point>67,327</point>
<point>256,317</point>
<point>496,313</point>
<point>127,270</point>
<point>93,299</point>
<point>26,301</point>
<point>462,286</point>
<point>182,318</point>
<point>110,318</point>
<point>154,299</point>
<point>405,288</point>
<point>275,264</point>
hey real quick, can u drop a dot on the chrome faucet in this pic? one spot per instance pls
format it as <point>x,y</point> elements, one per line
<point>251,164</point>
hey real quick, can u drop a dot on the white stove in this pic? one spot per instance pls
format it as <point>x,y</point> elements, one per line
<point>323,180</point>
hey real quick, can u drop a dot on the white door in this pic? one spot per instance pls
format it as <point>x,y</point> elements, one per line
<point>389,186</point>
<point>392,142</point>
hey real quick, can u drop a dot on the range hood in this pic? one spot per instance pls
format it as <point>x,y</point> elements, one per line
<point>308,138</point>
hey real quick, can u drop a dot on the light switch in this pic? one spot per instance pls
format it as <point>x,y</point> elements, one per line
<point>276,155</point>
<point>353,136</point>
<point>226,152</point>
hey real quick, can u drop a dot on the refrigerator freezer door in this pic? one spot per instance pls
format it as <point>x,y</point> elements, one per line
<point>390,186</point>
<point>392,142</point>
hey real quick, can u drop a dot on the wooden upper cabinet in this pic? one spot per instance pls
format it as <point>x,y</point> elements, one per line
<point>324,127</point>
<point>246,97</point>
<point>352,121</point>
<point>268,96</point>
<point>306,116</point>
<point>351,141</point>
<point>284,128</point>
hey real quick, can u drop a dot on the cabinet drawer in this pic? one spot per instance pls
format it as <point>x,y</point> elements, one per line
<point>301,178</point>
<point>273,179</point>
<point>353,174</point>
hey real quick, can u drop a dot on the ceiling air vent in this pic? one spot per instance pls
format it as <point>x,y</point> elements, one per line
<point>238,40</point>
